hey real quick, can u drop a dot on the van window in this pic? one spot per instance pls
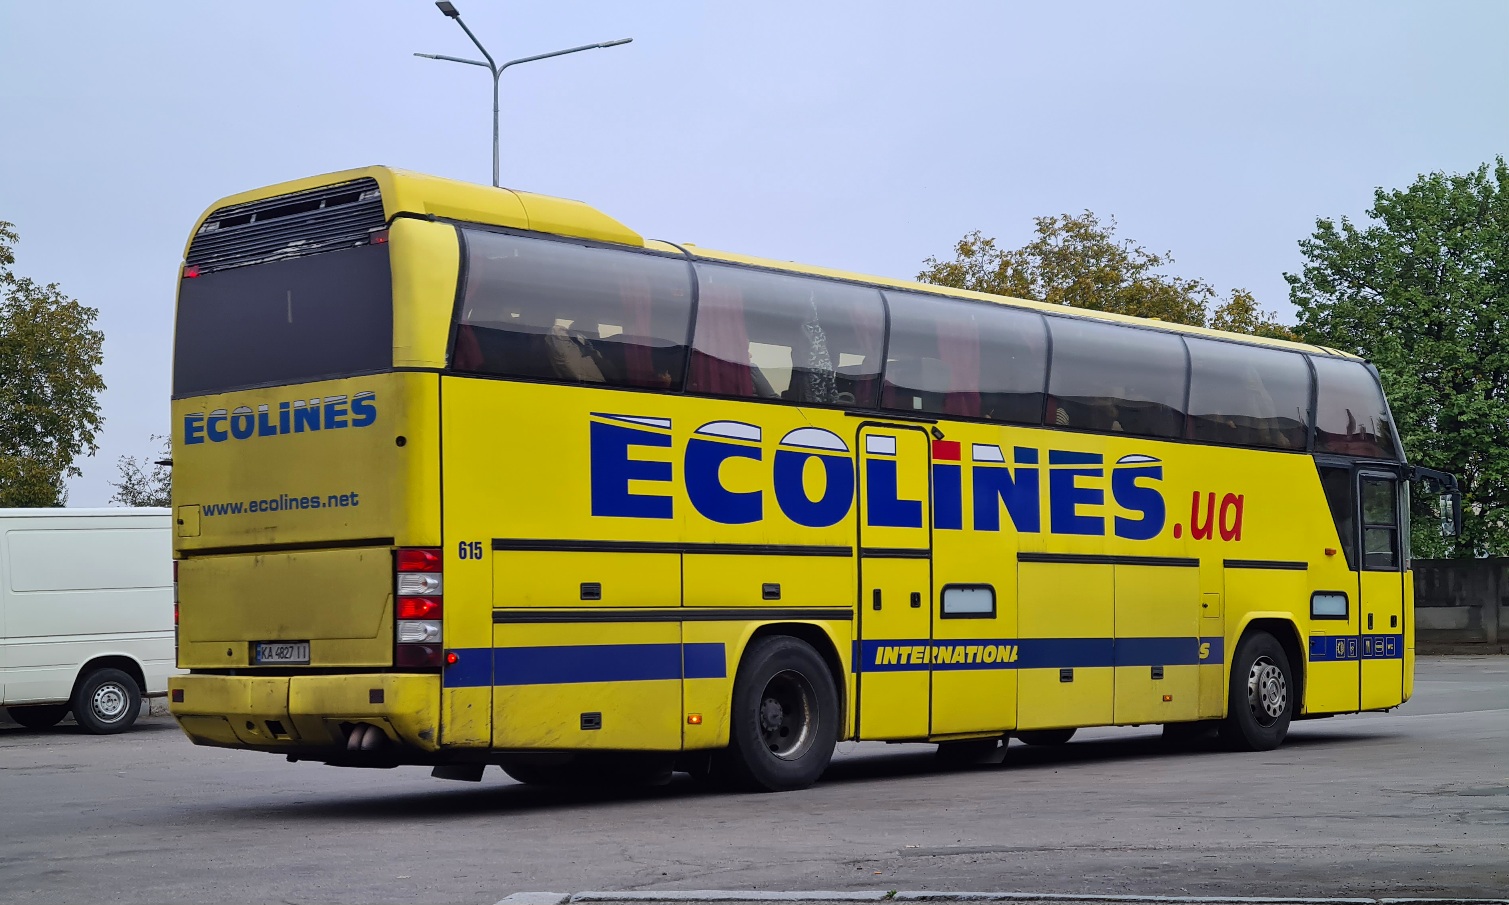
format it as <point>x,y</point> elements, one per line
<point>1351,418</point>
<point>769,335</point>
<point>1248,395</point>
<point>569,313</point>
<point>971,359</point>
<point>1105,377</point>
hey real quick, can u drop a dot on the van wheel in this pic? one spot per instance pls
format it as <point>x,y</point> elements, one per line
<point>784,723</point>
<point>1048,738</point>
<point>107,701</point>
<point>1262,695</point>
<point>39,716</point>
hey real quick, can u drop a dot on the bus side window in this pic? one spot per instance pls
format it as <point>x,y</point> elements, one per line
<point>1107,377</point>
<point>1351,418</point>
<point>1337,483</point>
<point>570,313</point>
<point>1248,395</point>
<point>970,359</point>
<point>771,335</point>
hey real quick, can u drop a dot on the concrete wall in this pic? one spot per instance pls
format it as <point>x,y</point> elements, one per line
<point>1462,601</point>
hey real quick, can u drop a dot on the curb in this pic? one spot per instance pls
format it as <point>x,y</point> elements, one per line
<point>734,895</point>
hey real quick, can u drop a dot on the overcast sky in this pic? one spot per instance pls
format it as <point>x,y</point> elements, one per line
<point>860,135</point>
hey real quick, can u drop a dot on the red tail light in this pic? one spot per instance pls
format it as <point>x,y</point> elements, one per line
<point>419,559</point>
<point>191,271</point>
<point>418,608</point>
<point>417,588</point>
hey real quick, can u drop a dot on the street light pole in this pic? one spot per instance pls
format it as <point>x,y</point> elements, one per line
<point>451,12</point>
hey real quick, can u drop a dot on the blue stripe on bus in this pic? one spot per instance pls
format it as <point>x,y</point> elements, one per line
<point>920,654</point>
<point>570,664</point>
<point>473,668</point>
<point>1344,648</point>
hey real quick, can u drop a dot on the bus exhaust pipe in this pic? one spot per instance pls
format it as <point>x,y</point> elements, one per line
<point>365,737</point>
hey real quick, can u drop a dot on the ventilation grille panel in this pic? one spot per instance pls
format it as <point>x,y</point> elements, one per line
<point>328,218</point>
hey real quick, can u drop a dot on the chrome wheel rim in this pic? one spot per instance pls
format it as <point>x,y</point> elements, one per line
<point>110,701</point>
<point>1267,692</point>
<point>788,713</point>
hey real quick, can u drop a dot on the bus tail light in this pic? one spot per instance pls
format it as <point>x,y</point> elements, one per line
<point>418,605</point>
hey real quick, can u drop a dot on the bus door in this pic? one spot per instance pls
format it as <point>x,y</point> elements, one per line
<point>1380,589</point>
<point>895,582</point>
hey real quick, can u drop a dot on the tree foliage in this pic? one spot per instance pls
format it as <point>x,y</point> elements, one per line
<point>49,385</point>
<point>146,481</point>
<point>1423,292</point>
<point>1077,260</point>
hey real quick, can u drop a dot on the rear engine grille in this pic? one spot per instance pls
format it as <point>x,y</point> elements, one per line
<point>328,218</point>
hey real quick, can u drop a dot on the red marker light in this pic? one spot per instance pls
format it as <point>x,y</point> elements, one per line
<point>378,237</point>
<point>191,271</point>
<point>452,658</point>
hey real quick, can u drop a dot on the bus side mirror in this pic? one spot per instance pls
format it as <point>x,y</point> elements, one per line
<point>1451,514</point>
<point>1448,491</point>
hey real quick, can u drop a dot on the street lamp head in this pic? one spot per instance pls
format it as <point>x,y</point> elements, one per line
<point>615,43</point>
<point>448,8</point>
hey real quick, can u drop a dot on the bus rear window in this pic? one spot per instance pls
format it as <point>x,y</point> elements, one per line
<point>289,321</point>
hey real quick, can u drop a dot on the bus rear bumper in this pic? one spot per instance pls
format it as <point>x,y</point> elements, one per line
<point>312,716</point>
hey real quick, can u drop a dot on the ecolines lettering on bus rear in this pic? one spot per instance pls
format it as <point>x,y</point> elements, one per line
<point>1072,490</point>
<point>295,417</point>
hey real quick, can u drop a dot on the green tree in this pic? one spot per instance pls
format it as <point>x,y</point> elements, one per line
<point>49,385</point>
<point>146,481</point>
<point>1423,292</point>
<point>1078,261</point>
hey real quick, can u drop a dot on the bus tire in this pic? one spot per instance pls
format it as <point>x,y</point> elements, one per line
<point>107,701</point>
<point>1045,738</point>
<point>38,716</point>
<point>784,723</point>
<point>1261,702</point>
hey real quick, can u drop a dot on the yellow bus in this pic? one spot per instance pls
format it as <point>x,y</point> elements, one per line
<point>469,476</point>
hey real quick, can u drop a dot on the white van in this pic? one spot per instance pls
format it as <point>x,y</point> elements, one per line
<point>86,614</point>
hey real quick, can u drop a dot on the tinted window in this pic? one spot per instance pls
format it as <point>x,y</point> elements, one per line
<point>556,311</point>
<point>1120,379</point>
<point>1248,395</point>
<point>310,318</point>
<point>1337,483</point>
<point>1380,524</point>
<point>965,358</point>
<point>1350,418</point>
<point>780,336</point>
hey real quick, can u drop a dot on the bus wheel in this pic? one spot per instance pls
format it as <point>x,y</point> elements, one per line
<point>1045,737</point>
<point>785,717</point>
<point>39,716</point>
<point>107,701</point>
<point>1262,699</point>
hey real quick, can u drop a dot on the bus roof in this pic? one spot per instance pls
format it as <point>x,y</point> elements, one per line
<point>450,199</point>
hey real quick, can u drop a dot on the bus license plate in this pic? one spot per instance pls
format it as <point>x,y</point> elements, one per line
<point>282,652</point>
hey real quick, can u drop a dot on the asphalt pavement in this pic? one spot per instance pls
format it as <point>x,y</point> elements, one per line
<point>1412,803</point>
